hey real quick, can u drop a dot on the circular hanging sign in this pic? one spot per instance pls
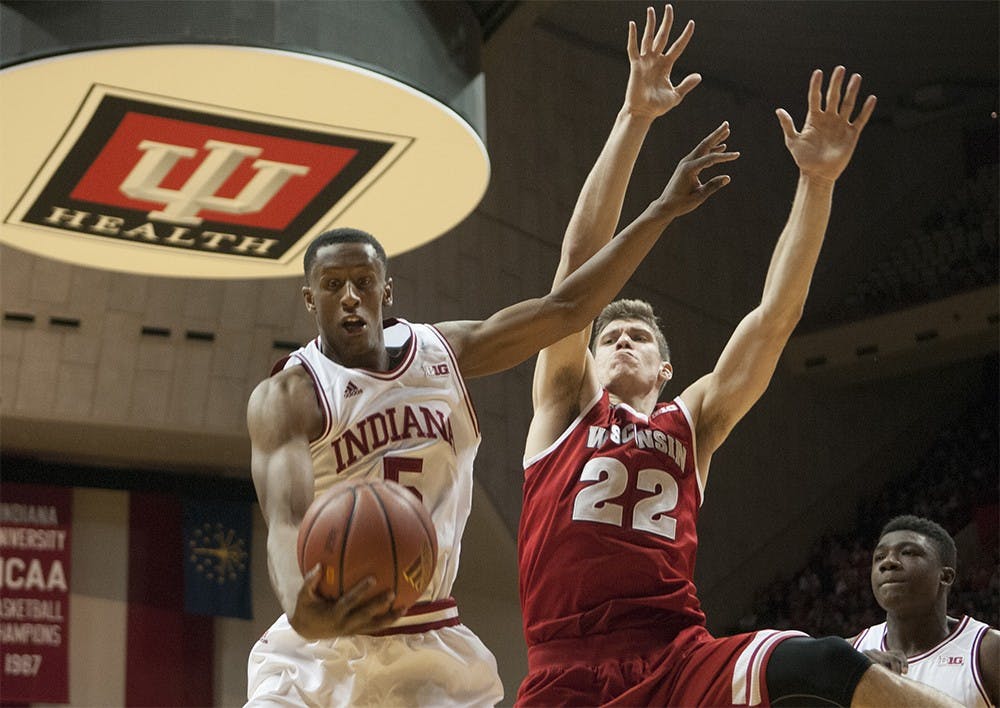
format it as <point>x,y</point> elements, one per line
<point>214,161</point>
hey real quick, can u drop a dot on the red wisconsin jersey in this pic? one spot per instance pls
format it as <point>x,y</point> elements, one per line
<point>607,534</point>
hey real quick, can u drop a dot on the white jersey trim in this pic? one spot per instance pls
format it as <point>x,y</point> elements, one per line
<point>458,377</point>
<point>325,409</point>
<point>962,624</point>
<point>694,448</point>
<point>976,676</point>
<point>529,461</point>
<point>748,674</point>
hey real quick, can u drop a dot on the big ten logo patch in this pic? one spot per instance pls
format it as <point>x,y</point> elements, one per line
<point>175,176</point>
<point>436,369</point>
<point>951,660</point>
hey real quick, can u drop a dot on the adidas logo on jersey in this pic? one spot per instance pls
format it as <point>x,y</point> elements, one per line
<point>352,390</point>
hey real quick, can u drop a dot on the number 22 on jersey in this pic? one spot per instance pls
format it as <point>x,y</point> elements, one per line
<point>611,480</point>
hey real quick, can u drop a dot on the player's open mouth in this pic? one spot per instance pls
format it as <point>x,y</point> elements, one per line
<point>353,325</point>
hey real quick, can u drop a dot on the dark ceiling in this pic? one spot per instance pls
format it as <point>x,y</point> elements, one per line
<point>934,67</point>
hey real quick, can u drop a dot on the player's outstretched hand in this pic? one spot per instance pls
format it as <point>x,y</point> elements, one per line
<point>828,137</point>
<point>357,611</point>
<point>685,192</point>
<point>650,92</point>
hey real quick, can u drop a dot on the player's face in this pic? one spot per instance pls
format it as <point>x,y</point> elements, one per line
<point>346,293</point>
<point>907,573</point>
<point>628,358</point>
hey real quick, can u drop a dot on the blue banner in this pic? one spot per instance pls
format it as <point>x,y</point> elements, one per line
<point>217,558</point>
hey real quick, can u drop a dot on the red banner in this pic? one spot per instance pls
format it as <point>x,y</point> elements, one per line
<point>35,526</point>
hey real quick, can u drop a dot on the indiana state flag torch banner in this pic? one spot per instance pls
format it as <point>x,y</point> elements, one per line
<point>217,558</point>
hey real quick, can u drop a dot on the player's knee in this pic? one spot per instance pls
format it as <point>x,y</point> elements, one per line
<point>803,671</point>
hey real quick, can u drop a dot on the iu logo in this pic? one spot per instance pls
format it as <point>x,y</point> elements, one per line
<point>160,174</point>
<point>199,191</point>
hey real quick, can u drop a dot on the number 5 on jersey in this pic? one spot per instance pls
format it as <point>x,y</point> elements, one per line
<point>406,471</point>
<point>611,480</point>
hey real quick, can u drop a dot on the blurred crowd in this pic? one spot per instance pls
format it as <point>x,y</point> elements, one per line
<point>955,484</point>
<point>954,250</point>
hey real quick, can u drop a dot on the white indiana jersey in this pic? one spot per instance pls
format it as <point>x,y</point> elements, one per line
<point>951,667</point>
<point>414,424</point>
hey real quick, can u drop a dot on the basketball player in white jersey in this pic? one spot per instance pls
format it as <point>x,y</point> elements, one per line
<point>614,479</point>
<point>913,568</point>
<point>375,398</point>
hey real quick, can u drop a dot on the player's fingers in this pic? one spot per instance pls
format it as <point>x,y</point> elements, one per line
<point>647,33</point>
<point>660,40</point>
<point>373,613</point>
<point>712,158</point>
<point>714,138</point>
<point>680,44</point>
<point>357,593</point>
<point>689,82</point>
<point>633,49</point>
<point>312,577</point>
<point>713,185</point>
<point>850,96</point>
<point>833,90</point>
<point>866,112</point>
<point>815,82</point>
<point>787,126</point>
<point>377,605</point>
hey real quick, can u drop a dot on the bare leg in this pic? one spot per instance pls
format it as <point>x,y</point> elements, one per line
<point>880,688</point>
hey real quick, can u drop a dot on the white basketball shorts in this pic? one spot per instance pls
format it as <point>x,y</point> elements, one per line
<point>447,666</point>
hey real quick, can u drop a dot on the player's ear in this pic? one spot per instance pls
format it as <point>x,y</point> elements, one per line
<point>387,293</point>
<point>666,372</point>
<point>947,576</point>
<point>308,297</point>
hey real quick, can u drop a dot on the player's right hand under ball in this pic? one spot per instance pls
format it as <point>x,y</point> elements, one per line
<point>357,611</point>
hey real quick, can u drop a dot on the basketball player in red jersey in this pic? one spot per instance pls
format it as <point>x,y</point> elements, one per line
<point>614,479</point>
<point>913,568</point>
<point>375,398</point>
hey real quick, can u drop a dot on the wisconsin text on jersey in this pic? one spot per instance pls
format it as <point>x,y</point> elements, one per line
<point>390,426</point>
<point>644,439</point>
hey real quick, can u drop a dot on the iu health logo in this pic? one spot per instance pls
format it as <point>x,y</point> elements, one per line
<point>160,173</point>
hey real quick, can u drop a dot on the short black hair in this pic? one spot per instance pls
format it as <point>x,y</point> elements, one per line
<point>342,235</point>
<point>932,530</point>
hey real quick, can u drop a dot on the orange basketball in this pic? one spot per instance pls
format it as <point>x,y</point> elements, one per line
<point>369,527</point>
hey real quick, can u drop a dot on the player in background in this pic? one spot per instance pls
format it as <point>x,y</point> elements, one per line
<point>386,398</point>
<point>614,480</point>
<point>913,569</point>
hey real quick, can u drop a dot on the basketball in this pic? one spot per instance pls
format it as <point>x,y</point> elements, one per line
<point>369,527</point>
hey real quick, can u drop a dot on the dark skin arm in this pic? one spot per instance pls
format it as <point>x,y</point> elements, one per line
<point>989,664</point>
<point>282,416</point>
<point>520,331</point>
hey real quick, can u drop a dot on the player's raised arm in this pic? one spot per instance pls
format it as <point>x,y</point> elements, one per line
<point>821,150</point>
<point>520,331</point>
<point>281,417</point>
<point>650,93</point>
